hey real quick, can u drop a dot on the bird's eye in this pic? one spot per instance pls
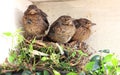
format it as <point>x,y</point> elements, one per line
<point>66,19</point>
<point>29,21</point>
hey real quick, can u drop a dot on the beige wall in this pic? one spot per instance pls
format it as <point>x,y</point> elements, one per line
<point>105,13</point>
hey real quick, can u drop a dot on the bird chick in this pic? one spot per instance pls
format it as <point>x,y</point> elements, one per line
<point>35,22</point>
<point>83,30</point>
<point>62,29</point>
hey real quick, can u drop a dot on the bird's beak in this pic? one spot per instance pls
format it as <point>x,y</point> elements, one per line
<point>93,24</point>
<point>32,11</point>
<point>70,22</point>
<point>73,18</point>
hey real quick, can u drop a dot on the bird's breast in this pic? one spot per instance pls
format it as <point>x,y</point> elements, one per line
<point>81,34</point>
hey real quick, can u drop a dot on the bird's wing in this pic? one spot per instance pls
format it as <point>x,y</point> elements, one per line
<point>44,16</point>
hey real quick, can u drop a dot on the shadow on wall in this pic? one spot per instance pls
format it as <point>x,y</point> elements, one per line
<point>18,18</point>
<point>10,21</point>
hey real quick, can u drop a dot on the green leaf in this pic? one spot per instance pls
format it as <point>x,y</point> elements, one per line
<point>12,57</point>
<point>38,73</point>
<point>96,66</point>
<point>107,58</point>
<point>26,72</point>
<point>89,66</point>
<point>81,53</point>
<point>30,47</point>
<point>44,58</point>
<point>20,38</point>
<point>56,72</point>
<point>82,73</point>
<point>55,58</point>
<point>45,72</point>
<point>73,54</point>
<point>72,73</point>
<point>31,44</point>
<point>115,61</point>
<point>109,68</point>
<point>105,51</point>
<point>96,58</point>
<point>9,73</point>
<point>9,34</point>
<point>33,41</point>
<point>19,30</point>
<point>118,69</point>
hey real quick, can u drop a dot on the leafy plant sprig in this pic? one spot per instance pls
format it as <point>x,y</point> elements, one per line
<point>103,65</point>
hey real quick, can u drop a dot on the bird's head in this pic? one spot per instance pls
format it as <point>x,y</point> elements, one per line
<point>66,20</point>
<point>85,22</point>
<point>32,9</point>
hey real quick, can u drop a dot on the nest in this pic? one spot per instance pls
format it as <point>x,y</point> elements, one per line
<point>62,57</point>
<point>79,51</point>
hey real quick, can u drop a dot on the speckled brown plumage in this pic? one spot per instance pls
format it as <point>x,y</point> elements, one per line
<point>62,29</point>
<point>35,22</point>
<point>83,30</point>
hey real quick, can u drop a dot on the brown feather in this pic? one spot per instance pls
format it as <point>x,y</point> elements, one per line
<point>34,22</point>
<point>62,29</point>
<point>83,30</point>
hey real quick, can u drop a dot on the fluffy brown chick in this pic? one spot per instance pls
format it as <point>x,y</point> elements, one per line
<point>35,22</point>
<point>83,30</point>
<point>62,29</point>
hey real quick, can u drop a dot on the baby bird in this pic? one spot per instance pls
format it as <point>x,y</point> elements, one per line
<point>35,22</point>
<point>83,30</point>
<point>62,29</point>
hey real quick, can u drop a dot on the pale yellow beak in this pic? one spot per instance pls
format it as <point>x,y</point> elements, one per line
<point>32,11</point>
<point>93,24</point>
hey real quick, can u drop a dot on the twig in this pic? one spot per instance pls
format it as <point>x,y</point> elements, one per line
<point>35,52</point>
<point>5,71</point>
<point>60,48</point>
<point>36,42</point>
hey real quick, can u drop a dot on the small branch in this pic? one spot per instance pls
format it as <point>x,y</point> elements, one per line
<point>36,42</point>
<point>5,71</point>
<point>60,48</point>
<point>35,52</point>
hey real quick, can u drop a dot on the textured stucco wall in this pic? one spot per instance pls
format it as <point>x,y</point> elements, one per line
<point>105,13</point>
<point>10,15</point>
